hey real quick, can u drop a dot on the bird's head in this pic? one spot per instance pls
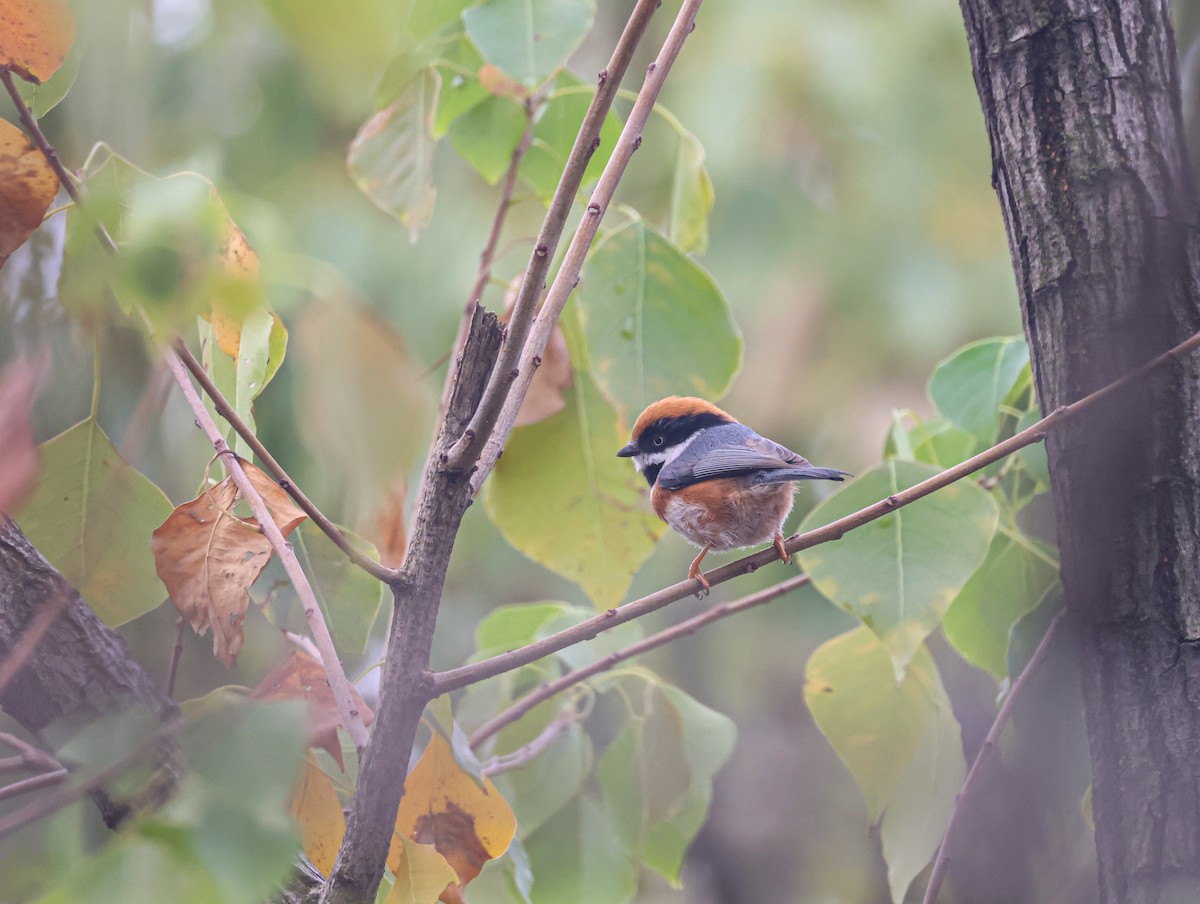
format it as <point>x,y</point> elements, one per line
<point>664,430</point>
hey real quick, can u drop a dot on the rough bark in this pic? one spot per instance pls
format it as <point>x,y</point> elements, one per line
<point>407,683</point>
<point>1081,102</point>
<point>80,670</point>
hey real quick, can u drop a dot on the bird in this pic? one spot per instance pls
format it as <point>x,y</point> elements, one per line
<point>713,479</point>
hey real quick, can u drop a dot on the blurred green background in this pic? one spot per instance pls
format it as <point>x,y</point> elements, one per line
<point>855,234</point>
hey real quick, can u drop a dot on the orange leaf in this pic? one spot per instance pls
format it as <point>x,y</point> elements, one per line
<point>240,261</point>
<point>300,677</point>
<point>208,557</point>
<point>27,188</point>
<point>18,451</point>
<point>444,806</point>
<point>35,36</point>
<point>421,875</point>
<point>318,811</point>
<point>391,535</point>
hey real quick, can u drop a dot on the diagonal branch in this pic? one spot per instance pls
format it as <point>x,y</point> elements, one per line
<point>492,428</point>
<point>505,662</point>
<point>350,716</point>
<point>942,861</point>
<point>515,368</point>
<point>684,628</point>
<point>226,410</point>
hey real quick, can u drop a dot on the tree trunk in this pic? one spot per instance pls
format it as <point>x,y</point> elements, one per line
<point>1081,102</point>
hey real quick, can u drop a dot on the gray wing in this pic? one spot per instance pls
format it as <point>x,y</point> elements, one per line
<point>729,450</point>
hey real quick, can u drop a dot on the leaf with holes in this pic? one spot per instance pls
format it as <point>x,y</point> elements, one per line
<point>91,516</point>
<point>900,573</point>
<point>655,322</point>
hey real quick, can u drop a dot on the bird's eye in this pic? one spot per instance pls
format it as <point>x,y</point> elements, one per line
<point>658,440</point>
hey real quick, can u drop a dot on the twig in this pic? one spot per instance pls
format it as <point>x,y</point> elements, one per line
<point>586,630</point>
<point>688,626</point>
<point>52,803</point>
<point>39,137</point>
<point>351,718</point>
<point>483,442</point>
<point>467,450</point>
<point>526,753</point>
<point>33,783</point>
<point>32,636</point>
<point>942,861</point>
<point>30,757</point>
<point>176,655</point>
<point>331,530</point>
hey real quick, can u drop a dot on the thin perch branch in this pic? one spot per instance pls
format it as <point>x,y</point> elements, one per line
<point>331,530</point>
<point>505,662</point>
<point>351,718</point>
<point>688,626</point>
<point>942,861</point>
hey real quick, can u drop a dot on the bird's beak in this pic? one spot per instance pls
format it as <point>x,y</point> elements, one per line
<point>628,451</point>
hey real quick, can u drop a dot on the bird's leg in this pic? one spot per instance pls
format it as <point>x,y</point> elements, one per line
<point>694,571</point>
<point>784,555</point>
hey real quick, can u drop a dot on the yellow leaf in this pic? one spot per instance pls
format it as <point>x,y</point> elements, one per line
<point>35,36</point>
<point>317,809</point>
<point>444,806</point>
<point>422,874</point>
<point>27,188</point>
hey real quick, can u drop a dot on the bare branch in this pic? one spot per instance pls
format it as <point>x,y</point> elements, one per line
<point>467,450</point>
<point>176,655</point>
<point>33,783</point>
<point>684,628</point>
<point>351,718</point>
<point>226,410</point>
<point>526,753</point>
<point>942,861</point>
<point>586,630</point>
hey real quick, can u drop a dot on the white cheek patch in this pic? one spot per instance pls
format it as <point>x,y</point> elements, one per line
<point>643,460</point>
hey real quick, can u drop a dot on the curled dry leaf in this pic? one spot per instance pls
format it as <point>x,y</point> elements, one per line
<point>35,36</point>
<point>546,395</point>
<point>18,451</point>
<point>27,188</point>
<point>208,557</point>
<point>301,677</point>
<point>444,806</point>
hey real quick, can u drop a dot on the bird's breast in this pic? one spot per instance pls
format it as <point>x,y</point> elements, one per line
<point>725,513</point>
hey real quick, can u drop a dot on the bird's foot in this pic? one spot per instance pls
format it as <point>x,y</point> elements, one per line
<point>784,555</point>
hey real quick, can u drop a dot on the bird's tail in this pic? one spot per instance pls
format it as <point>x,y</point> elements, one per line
<point>782,475</point>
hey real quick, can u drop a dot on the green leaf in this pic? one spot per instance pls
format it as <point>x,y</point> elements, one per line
<point>91,517</point>
<point>487,134</point>
<point>935,441</point>
<point>691,197</point>
<point>554,137</point>
<point>1015,576</point>
<point>361,403</point>
<point>655,322</point>
<point>969,386</point>
<point>900,573</point>
<point>579,655</point>
<point>552,779</point>
<point>920,806</point>
<point>1027,632</point>
<point>562,497</point>
<point>515,625</point>
<point>429,16</point>
<point>349,597</point>
<point>460,92</point>
<point>43,98</point>
<point>875,723</point>
<point>578,857</point>
<point>657,775</point>
<point>391,157</point>
<point>529,39</point>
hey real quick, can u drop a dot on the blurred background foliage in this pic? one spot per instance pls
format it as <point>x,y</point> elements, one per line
<point>854,232</point>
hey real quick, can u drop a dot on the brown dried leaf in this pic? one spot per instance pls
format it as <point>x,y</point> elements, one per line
<point>391,533</point>
<point>546,396</point>
<point>27,188</point>
<point>300,677</point>
<point>443,806</point>
<point>208,558</point>
<point>18,451</point>
<point>35,36</point>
